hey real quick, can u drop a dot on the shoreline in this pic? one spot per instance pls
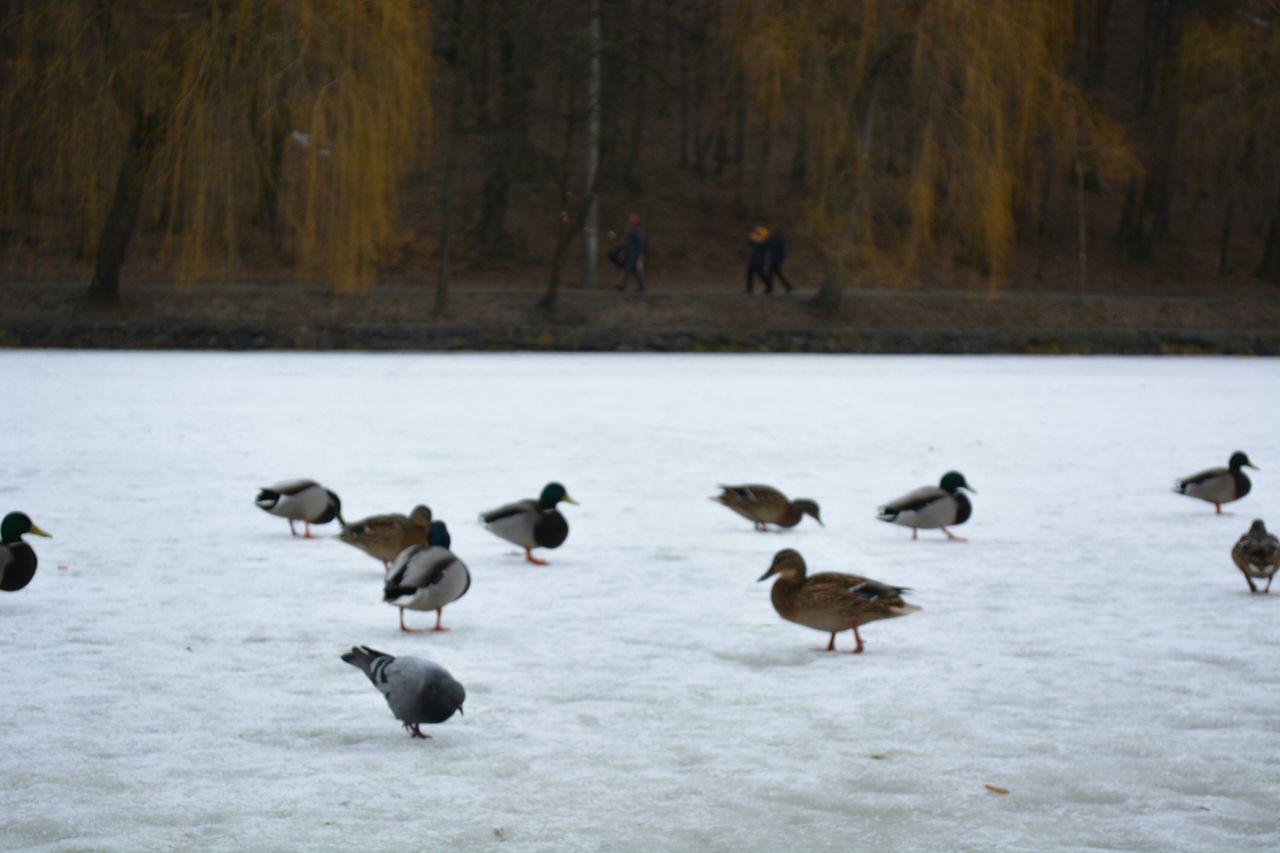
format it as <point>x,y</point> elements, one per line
<point>241,317</point>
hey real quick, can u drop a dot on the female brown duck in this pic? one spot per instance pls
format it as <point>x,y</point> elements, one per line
<point>766,505</point>
<point>829,601</point>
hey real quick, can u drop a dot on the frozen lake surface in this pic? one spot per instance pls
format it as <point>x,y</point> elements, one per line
<point>170,679</point>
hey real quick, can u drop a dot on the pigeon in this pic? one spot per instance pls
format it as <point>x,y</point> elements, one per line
<point>417,690</point>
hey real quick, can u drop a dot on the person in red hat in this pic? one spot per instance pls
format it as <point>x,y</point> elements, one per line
<point>633,259</point>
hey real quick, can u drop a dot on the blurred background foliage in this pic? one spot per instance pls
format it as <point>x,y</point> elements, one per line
<point>895,140</point>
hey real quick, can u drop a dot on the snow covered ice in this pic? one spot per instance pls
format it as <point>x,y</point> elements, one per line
<point>171,677</point>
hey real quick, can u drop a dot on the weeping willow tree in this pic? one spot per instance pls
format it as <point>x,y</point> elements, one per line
<point>210,118</point>
<point>1228,78</point>
<point>926,123</point>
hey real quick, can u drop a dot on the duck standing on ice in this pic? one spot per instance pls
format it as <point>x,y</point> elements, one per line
<point>765,505</point>
<point>830,601</point>
<point>1218,485</point>
<point>301,500</point>
<point>532,523</point>
<point>932,507</point>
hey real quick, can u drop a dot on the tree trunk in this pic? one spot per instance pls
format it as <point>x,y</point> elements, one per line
<point>1082,230</point>
<point>270,133</point>
<point>762,171</point>
<point>446,190</point>
<point>1269,269</point>
<point>127,201</point>
<point>1224,240</point>
<point>800,158</point>
<point>631,163</point>
<point>564,239</point>
<point>1046,196</point>
<point>591,223</point>
<point>510,140</point>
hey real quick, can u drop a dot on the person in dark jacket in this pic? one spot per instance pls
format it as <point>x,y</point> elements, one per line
<point>633,261</point>
<point>776,249</point>
<point>756,254</point>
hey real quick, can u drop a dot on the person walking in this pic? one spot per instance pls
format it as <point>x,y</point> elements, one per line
<point>776,249</point>
<point>633,261</point>
<point>756,253</point>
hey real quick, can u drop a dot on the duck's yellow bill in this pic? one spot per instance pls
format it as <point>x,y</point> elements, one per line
<point>570,500</point>
<point>38,532</point>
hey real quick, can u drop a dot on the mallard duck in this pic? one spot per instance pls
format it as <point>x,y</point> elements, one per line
<point>426,578</point>
<point>765,505</point>
<point>17,558</point>
<point>1218,486</point>
<point>418,691</point>
<point>301,500</point>
<point>932,507</point>
<point>385,536</point>
<point>532,523</point>
<point>1257,555</point>
<point>829,601</point>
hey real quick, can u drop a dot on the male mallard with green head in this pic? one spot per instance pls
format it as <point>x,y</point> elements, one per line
<point>17,558</point>
<point>765,505</point>
<point>932,507</point>
<point>532,523</point>
<point>427,578</point>
<point>829,601</point>
<point>301,500</point>
<point>1218,485</point>
<point>1257,555</point>
<point>385,536</point>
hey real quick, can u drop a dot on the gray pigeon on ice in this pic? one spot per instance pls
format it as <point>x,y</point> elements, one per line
<point>417,690</point>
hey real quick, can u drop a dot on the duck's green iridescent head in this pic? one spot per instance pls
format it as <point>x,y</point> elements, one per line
<point>552,494</point>
<point>16,524</point>
<point>953,480</point>
<point>438,535</point>
<point>1241,460</point>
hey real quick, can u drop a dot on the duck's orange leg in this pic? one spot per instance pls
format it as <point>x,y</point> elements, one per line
<point>953,537</point>
<point>439,627</point>
<point>528,555</point>
<point>857,650</point>
<point>831,645</point>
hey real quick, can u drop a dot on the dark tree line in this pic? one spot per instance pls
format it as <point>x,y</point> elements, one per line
<point>884,132</point>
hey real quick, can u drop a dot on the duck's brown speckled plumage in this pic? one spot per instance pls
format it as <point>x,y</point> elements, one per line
<point>766,505</point>
<point>1257,555</point>
<point>385,536</point>
<point>830,601</point>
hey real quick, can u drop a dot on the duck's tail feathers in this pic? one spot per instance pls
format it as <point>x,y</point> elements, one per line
<point>904,608</point>
<point>391,593</point>
<point>883,514</point>
<point>267,499</point>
